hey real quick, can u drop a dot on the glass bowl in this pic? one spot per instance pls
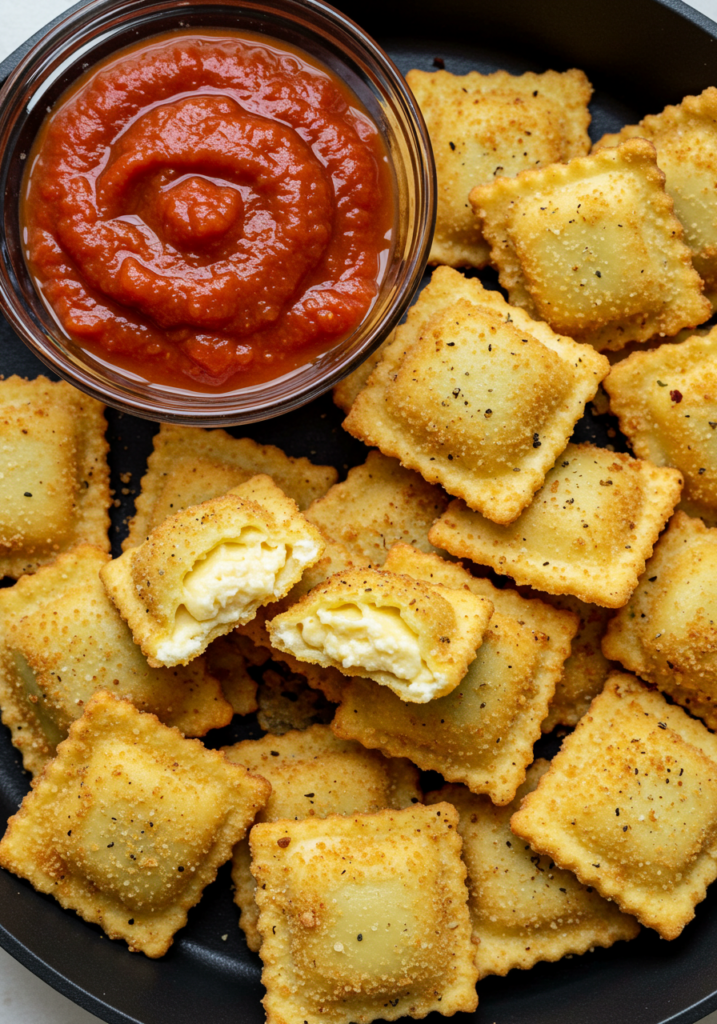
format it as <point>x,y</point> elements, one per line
<point>102,27</point>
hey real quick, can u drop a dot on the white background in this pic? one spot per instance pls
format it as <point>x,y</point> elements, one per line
<point>24,999</point>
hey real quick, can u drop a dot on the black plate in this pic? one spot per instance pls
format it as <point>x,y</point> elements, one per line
<point>640,55</point>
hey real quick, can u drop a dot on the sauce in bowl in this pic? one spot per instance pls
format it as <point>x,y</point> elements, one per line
<point>208,211</point>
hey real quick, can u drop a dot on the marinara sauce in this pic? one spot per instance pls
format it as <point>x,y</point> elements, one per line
<point>208,211</point>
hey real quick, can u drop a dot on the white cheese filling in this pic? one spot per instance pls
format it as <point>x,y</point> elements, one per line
<point>229,585</point>
<point>376,640</point>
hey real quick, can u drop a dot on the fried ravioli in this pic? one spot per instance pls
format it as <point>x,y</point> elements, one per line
<point>524,909</point>
<point>667,633</point>
<point>594,248</point>
<point>416,638</point>
<point>363,917</point>
<point>476,396</point>
<point>207,569</point>
<point>54,478</point>
<point>587,533</point>
<point>486,126</point>
<point>685,137</point>
<point>314,774</point>
<point>61,639</point>
<point>189,466</point>
<point>630,805</point>
<point>481,734</point>
<point>130,822</point>
<point>666,401</point>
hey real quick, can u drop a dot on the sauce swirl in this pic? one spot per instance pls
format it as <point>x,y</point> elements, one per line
<point>208,211</point>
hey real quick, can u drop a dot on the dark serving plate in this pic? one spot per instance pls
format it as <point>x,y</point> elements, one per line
<point>640,55</point>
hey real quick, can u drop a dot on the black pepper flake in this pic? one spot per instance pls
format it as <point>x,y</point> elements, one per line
<point>70,832</point>
<point>702,470</point>
<point>308,795</point>
<point>28,494</point>
<point>488,413</point>
<point>598,274</point>
<point>662,725</point>
<point>453,146</point>
<point>624,828</point>
<point>359,938</point>
<point>651,579</point>
<point>274,753</point>
<point>617,811</point>
<point>131,921</point>
<point>438,62</point>
<point>180,868</point>
<point>536,441</point>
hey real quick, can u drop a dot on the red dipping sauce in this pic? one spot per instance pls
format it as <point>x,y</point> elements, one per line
<point>208,211</point>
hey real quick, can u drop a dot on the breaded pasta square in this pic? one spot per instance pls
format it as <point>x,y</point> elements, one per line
<point>594,248</point>
<point>130,822</point>
<point>524,909</point>
<point>476,396</point>
<point>54,479</point>
<point>417,638</point>
<point>363,917</point>
<point>630,805</point>
<point>378,504</point>
<point>314,774</point>
<point>208,568</point>
<point>61,639</point>
<point>587,533</point>
<point>189,466</point>
<point>667,632</point>
<point>685,137</point>
<point>486,126</point>
<point>666,401</point>
<point>481,734</point>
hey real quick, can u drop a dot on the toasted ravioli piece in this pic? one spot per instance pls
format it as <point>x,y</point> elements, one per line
<point>486,126</point>
<point>630,805</point>
<point>207,569</point>
<point>685,137</point>
<point>587,668</point>
<point>314,774</point>
<point>189,466</point>
<point>61,639</point>
<point>378,504</point>
<point>478,397</point>
<point>346,908</point>
<point>54,479</point>
<point>666,401</point>
<point>416,638</point>
<point>524,909</point>
<point>587,533</point>
<point>594,248</point>
<point>667,633</point>
<point>481,734</point>
<point>130,822</point>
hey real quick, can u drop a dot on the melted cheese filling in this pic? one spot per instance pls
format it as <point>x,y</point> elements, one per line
<point>229,585</point>
<point>376,640</point>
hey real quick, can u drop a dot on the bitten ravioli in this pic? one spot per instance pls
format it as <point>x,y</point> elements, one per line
<point>667,633</point>
<point>594,248</point>
<point>207,569</point>
<point>314,774</point>
<point>189,466</point>
<point>54,479</point>
<point>363,917</point>
<point>130,822</point>
<point>630,805</point>
<point>476,396</point>
<point>587,533</point>
<point>481,734</point>
<point>486,126</point>
<point>524,909</point>
<point>666,401</point>
<point>685,137</point>
<point>416,638</point>
<point>61,639</point>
